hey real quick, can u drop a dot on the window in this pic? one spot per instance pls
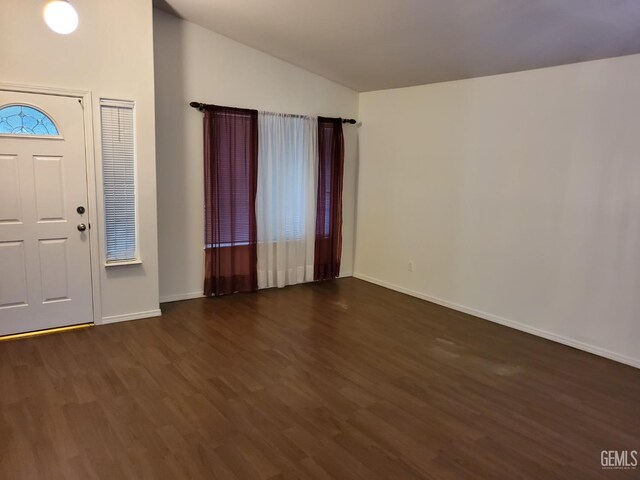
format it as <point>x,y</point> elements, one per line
<point>26,120</point>
<point>118,170</point>
<point>286,194</point>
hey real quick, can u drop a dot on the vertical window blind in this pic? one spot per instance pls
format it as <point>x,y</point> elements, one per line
<point>118,171</point>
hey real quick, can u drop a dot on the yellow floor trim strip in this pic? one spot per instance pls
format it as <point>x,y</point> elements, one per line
<point>48,331</point>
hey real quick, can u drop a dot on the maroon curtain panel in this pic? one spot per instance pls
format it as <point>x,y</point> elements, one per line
<point>328,245</point>
<point>231,180</point>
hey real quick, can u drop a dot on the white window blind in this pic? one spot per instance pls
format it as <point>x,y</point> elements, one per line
<point>118,171</point>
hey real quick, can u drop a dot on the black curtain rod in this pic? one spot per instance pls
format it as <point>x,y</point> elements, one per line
<point>202,106</point>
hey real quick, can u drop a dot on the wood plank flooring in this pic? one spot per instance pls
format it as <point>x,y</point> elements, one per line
<point>339,379</point>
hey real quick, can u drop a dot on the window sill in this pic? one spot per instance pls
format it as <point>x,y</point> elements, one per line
<point>123,263</point>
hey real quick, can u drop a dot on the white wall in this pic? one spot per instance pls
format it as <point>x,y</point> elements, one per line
<point>516,196</point>
<point>110,55</point>
<point>194,64</point>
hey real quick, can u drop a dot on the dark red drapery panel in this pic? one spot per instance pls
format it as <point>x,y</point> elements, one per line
<point>328,246</point>
<point>230,173</point>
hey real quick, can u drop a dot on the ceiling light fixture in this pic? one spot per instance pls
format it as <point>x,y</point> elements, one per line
<point>61,17</point>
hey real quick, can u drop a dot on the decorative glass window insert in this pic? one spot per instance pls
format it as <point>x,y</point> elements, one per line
<point>26,120</point>
<point>119,177</point>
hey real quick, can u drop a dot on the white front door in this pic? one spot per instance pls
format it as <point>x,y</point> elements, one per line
<point>45,270</point>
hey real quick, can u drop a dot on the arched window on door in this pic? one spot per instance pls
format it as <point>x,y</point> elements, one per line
<point>19,119</point>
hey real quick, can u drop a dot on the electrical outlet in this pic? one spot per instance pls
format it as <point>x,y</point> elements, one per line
<point>410,266</point>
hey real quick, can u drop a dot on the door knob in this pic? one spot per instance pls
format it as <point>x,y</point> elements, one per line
<point>82,227</point>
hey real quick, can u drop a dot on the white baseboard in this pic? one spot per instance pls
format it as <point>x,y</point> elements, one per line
<point>188,296</point>
<point>131,316</point>
<point>181,296</point>
<point>634,362</point>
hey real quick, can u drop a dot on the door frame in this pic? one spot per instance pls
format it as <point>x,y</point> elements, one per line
<point>85,99</point>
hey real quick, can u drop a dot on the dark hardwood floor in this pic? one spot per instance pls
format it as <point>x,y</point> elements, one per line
<point>339,379</point>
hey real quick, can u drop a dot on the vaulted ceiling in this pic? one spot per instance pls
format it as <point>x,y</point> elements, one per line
<point>378,44</point>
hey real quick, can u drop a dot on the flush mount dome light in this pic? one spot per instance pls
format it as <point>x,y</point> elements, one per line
<point>61,17</point>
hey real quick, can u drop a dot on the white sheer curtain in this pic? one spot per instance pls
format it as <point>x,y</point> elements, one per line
<point>286,198</point>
